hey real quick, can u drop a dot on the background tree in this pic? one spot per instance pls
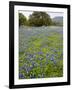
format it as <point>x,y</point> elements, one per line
<point>22,19</point>
<point>39,19</point>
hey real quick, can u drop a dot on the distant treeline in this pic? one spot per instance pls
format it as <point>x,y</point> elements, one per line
<point>37,19</point>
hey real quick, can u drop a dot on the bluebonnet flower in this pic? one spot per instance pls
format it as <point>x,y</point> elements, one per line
<point>29,69</point>
<point>40,53</point>
<point>47,54</point>
<point>21,76</point>
<point>40,58</point>
<point>55,51</point>
<point>52,58</point>
<point>33,63</point>
<point>22,68</point>
<point>30,55</point>
<point>26,68</point>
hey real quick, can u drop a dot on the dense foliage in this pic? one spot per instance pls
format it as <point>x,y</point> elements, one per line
<point>35,19</point>
<point>40,19</point>
<point>22,19</point>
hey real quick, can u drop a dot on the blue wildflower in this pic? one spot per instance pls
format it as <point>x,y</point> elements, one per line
<point>47,54</point>
<point>22,68</point>
<point>30,55</point>
<point>40,58</point>
<point>40,53</point>
<point>21,76</point>
<point>55,51</point>
<point>33,63</point>
<point>52,58</point>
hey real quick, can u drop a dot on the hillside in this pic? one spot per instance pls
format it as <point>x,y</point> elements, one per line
<point>58,20</point>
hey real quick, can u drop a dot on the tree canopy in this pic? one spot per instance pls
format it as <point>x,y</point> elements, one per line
<point>22,19</point>
<point>39,19</point>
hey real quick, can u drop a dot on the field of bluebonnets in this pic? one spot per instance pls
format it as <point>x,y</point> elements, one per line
<point>40,52</point>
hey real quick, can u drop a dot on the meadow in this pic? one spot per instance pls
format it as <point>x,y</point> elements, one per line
<point>40,52</point>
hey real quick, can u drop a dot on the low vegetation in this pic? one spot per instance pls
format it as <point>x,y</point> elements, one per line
<point>40,52</point>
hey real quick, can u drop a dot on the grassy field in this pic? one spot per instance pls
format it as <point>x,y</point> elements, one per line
<point>40,52</point>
